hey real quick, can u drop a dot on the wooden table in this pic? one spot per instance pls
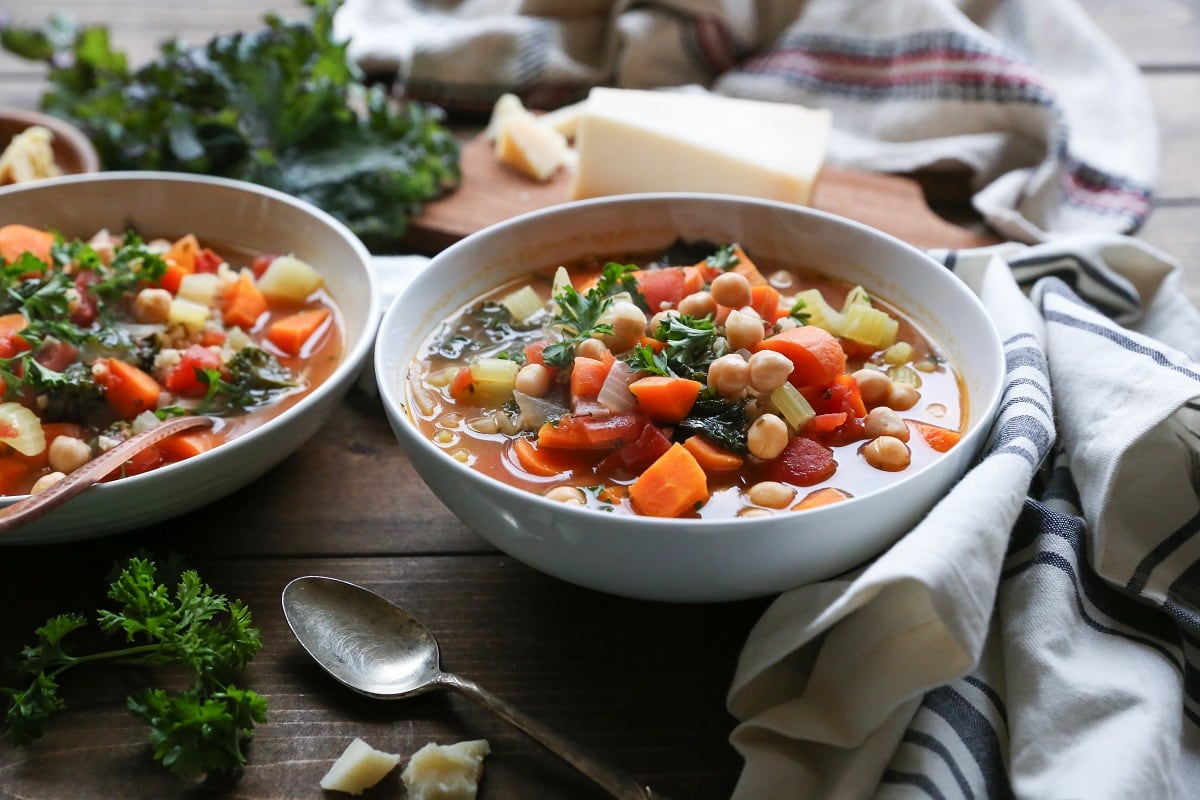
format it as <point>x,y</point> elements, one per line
<point>641,683</point>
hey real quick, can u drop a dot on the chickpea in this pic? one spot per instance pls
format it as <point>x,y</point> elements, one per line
<point>658,319</point>
<point>743,329</point>
<point>67,454</point>
<point>903,396</point>
<point>873,385</point>
<point>883,421</point>
<point>533,380</point>
<point>753,511</point>
<point>729,374</point>
<point>698,304</point>
<point>591,348</point>
<point>628,324</point>
<point>152,305</point>
<point>769,370</point>
<point>46,481</point>
<point>767,437</point>
<point>771,494</point>
<point>731,289</point>
<point>786,324</point>
<point>886,453</point>
<point>570,495</point>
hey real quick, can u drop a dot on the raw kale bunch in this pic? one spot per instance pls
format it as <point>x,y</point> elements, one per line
<point>281,106</point>
<point>198,730</point>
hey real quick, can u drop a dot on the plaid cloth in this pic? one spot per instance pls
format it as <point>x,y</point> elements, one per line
<point>1050,121</point>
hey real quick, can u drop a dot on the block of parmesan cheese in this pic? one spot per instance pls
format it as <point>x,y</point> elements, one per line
<point>445,772</point>
<point>652,141</point>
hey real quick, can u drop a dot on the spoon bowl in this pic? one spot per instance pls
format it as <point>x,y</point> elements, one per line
<point>378,649</point>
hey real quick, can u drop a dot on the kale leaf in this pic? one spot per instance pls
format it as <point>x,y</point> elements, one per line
<point>723,422</point>
<point>282,106</point>
<point>256,378</point>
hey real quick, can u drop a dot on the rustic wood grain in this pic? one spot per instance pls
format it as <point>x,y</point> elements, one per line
<point>642,683</point>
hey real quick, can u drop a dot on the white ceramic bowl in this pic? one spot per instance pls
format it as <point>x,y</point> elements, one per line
<point>233,215</point>
<point>690,560</point>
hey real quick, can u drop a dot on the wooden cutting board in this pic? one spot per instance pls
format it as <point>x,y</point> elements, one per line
<point>491,192</point>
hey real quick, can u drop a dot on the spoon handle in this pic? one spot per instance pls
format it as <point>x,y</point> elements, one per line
<point>615,781</point>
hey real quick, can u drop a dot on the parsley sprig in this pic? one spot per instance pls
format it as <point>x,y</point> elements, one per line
<point>198,730</point>
<point>579,315</point>
<point>691,345</point>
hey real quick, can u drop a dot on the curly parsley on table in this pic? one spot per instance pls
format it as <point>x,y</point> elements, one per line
<point>198,730</point>
<point>282,106</point>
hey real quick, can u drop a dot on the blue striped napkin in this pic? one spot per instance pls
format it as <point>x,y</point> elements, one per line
<point>1036,635</point>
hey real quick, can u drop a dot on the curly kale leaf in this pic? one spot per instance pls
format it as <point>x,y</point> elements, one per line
<point>722,422</point>
<point>256,378</point>
<point>275,106</point>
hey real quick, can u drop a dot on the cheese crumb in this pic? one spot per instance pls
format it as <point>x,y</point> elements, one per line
<point>445,772</point>
<point>358,768</point>
<point>524,142</point>
<point>28,157</point>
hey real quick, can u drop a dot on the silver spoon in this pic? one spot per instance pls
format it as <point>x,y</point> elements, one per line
<point>36,506</point>
<point>380,650</point>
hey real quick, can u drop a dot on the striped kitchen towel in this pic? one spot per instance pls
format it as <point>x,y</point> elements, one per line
<point>1036,635</point>
<point>992,89</point>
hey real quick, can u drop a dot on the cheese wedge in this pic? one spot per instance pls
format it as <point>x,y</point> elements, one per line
<point>29,157</point>
<point>649,141</point>
<point>537,150</point>
<point>445,772</point>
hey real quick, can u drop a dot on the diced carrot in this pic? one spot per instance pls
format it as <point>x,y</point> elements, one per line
<point>183,253</point>
<point>128,390</point>
<point>211,337</point>
<point>939,438</point>
<point>587,376</point>
<point>244,304</point>
<point>656,345</point>
<point>187,445</point>
<point>816,355</point>
<point>712,458</point>
<point>462,387</point>
<point>173,277</point>
<point>744,267</point>
<point>13,472</point>
<point>821,497</point>
<point>12,323</point>
<point>612,493</point>
<point>765,300</point>
<point>665,398</point>
<point>693,280</point>
<point>585,432</point>
<point>18,239</point>
<point>291,333</point>
<point>824,423</point>
<point>548,462</point>
<point>670,487</point>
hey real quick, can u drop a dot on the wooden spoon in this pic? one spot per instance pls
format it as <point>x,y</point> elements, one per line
<point>36,506</point>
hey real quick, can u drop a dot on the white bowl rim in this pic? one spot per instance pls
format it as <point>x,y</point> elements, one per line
<point>357,354</point>
<point>979,427</point>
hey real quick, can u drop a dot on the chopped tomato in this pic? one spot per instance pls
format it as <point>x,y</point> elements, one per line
<point>662,288</point>
<point>184,378</point>
<point>640,453</point>
<point>55,355</point>
<point>802,463</point>
<point>588,432</point>
<point>260,263</point>
<point>84,314</point>
<point>208,261</point>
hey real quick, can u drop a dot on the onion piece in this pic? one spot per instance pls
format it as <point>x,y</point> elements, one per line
<point>535,411</point>
<point>614,394</point>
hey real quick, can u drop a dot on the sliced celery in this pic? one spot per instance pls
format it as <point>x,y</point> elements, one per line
<point>856,296</point>
<point>869,326</point>
<point>523,303</point>
<point>494,379</point>
<point>902,373</point>
<point>792,406</point>
<point>820,313</point>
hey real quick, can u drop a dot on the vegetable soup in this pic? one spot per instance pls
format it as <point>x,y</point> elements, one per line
<point>691,383</point>
<point>103,338</point>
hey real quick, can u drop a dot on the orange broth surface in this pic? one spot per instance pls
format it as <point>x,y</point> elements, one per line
<point>167,358</point>
<point>461,428</point>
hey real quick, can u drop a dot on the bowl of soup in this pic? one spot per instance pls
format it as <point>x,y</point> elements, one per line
<point>132,298</point>
<point>688,397</point>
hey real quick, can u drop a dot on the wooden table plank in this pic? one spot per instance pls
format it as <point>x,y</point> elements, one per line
<point>619,676</point>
